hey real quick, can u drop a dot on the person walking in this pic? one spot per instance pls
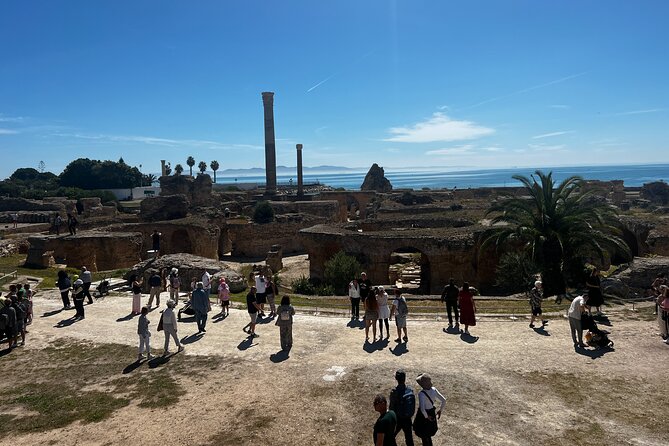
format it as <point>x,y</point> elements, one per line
<point>224,296</point>
<point>371,315</point>
<point>384,428</point>
<point>253,308</point>
<point>450,297</point>
<point>261,292</point>
<point>403,403</point>
<point>576,309</point>
<point>87,279</point>
<point>144,335</point>
<point>663,312</point>
<point>400,310</point>
<point>354,296</point>
<point>206,282</point>
<point>426,422</point>
<point>137,294</point>
<point>155,287</point>
<point>467,307</point>
<point>8,322</point>
<point>174,282</point>
<point>57,222</point>
<point>536,296</point>
<point>72,223</point>
<point>384,311</point>
<point>64,284</point>
<point>285,314</point>
<point>201,305</point>
<point>170,327</point>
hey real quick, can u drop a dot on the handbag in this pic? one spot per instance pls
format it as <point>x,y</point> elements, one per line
<point>424,427</point>
<point>160,322</point>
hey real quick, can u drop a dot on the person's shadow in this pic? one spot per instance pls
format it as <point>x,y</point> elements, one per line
<point>452,330</point>
<point>604,320</point>
<point>400,349</point>
<point>541,330</point>
<point>246,344</point>
<point>52,313</point>
<point>218,317</point>
<point>157,361</point>
<point>192,338</point>
<point>593,353</point>
<point>66,322</point>
<point>132,367</point>
<point>469,339</point>
<point>354,323</point>
<point>264,320</point>
<point>126,318</point>
<point>279,356</point>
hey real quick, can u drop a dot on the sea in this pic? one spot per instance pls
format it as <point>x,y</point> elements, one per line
<point>419,178</point>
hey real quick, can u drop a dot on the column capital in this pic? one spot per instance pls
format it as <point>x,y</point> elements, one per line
<point>268,97</point>
<point>298,146</point>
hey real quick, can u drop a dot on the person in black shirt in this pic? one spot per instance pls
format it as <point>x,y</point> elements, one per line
<point>450,297</point>
<point>253,308</point>
<point>155,282</point>
<point>365,286</point>
<point>155,240</point>
<point>384,428</point>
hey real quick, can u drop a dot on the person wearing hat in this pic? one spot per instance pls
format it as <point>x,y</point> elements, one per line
<point>403,403</point>
<point>425,424</point>
<point>224,296</point>
<point>536,296</point>
<point>169,320</point>
<point>384,428</point>
<point>201,306</point>
<point>78,297</point>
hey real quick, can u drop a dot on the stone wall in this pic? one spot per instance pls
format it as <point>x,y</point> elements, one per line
<point>328,209</point>
<point>22,204</point>
<point>349,202</point>
<point>197,190</point>
<point>161,208</point>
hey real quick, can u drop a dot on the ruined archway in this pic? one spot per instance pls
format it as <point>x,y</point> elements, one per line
<point>180,242</point>
<point>352,208</point>
<point>409,268</point>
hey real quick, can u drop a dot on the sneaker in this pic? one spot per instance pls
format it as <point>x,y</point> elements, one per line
<point>544,322</point>
<point>531,325</point>
<point>406,338</point>
<point>204,331</point>
<point>140,357</point>
<point>149,356</point>
<point>255,335</point>
<point>398,340</point>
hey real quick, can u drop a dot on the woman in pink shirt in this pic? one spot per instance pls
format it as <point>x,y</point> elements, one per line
<point>224,296</point>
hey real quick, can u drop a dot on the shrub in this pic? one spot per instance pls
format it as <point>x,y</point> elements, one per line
<point>339,271</point>
<point>263,212</point>
<point>303,286</point>
<point>325,290</point>
<point>516,272</point>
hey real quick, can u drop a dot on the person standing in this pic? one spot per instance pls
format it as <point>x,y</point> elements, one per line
<point>87,279</point>
<point>384,428</point>
<point>201,306</point>
<point>155,242</point>
<point>155,284</point>
<point>354,296</point>
<point>365,286</point>
<point>663,313</point>
<point>403,403</point>
<point>15,220</point>
<point>174,283</point>
<point>170,327</point>
<point>467,307</point>
<point>271,293</point>
<point>8,322</point>
<point>78,297</point>
<point>536,296</point>
<point>137,294</point>
<point>224,296</point>
<point>595,297</point>
<point>450,297</point>
<point>144,335</point>
<point>655,291</point>
<point>64,284</point>
<point>253,308</point>
<point>285,314</point>
<point>57,222</point>
<point>384,311</point>
<point>400,310</point>
<point>426,422</point>
<point>206,282</point>
<point>576,309</point>
<point>261,292</point>
<point>72,223</point>
<point>371,315</point>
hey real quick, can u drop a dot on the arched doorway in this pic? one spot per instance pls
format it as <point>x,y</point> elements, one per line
<point>409,269</point>
<point>180,242</point>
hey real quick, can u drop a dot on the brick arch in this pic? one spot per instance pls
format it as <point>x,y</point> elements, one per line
<point>425,273</point>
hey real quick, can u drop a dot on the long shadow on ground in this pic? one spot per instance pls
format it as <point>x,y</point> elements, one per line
<point>279,356</point>
<point>400,349</point>
<point>354,323</point>
<point>246,344</point>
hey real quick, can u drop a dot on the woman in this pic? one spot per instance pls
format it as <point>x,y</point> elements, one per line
<point>467,307</point>
<point>354,296</point>
<point>271,293</point>
<point>175,284</point>
<point>169,321</point>
<point>384,311</point>
<point>663,313</point>
<point>595,298</point>
<point>285,314</point>
<point>64,284</point>
<point>371,315</point>
<point>137,294</point>
<point>224,296</point>
<point>425,425</point>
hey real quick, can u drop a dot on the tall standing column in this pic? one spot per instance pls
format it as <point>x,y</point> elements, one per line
<point>270,145</point>
<point>300,189</point>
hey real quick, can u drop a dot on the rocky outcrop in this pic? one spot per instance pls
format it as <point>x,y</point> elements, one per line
<point>189,267</point>
<point>636,278</point>
<point>161,208</point>
<point>197,190</point>
<point>375,180</point>
<point>22,204</point>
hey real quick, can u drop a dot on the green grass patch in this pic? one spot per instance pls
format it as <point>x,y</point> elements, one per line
<point>155,390</point>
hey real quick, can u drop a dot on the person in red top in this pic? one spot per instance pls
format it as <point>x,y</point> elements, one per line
<point>467,307</point>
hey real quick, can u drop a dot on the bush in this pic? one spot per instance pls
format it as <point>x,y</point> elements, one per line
<point>303,286</point>
<point>339,271</point>
<point>516,272</point>
<point>325,290</point>
<point>263,212</point>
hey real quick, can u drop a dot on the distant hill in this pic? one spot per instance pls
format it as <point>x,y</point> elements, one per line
<point>285,170</point>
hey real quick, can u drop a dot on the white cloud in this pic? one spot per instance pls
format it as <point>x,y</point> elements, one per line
<point>546,148</point>
<point>548,135</point>
<point>4,118</point>
<point>439,128</point>
<point>8,132</point>
<point>459,150</point>
<point>393,150</point>
<point>165,142</point>
<point>492,149</point>
<point>639,112</point>
<point>560,106</point>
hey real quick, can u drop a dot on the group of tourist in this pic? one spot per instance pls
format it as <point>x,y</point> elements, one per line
<point>79,286</point>
<point>16,313</point>
<point>659,290</point>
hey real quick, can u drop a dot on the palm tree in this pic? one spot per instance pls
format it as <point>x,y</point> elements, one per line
<point>191,162</point>
<point>554,225</point>
<point>150,178</point>
<point>214,166</point>
<point>202,166</point>
<point>178,169</point>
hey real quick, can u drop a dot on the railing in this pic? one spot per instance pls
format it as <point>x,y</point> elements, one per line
<point>5,276</point>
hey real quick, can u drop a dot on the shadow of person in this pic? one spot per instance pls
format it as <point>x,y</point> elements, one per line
<point>400,349</point>
<point>132,367</point>
<point>218,317</point>
<point>369,347</point>
<point>66,322</point>
<point>541,330</point>
<point>246,344</point>
<point>381,344</point>
<point>469,339</point>
<point>452,330</point>
<point>52,313</point>
<point>192,338</point>
<point>126,318</point>
<point>604,320</point>
<point>5,352</point>
<point>157,361</point>
<point>354,323</point>
<point>264,320</point>
<point>279,356</point>
<point>594,354</point>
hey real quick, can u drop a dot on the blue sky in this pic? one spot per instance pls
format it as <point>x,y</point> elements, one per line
<point>400,83</point>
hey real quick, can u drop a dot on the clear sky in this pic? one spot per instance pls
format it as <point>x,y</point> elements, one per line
<point>400,83</point>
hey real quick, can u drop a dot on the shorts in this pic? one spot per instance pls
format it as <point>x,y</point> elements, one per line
<point>536,311</point>
<point>253,317</point>
<point>371,315</point>
<point>261,298</point>
<point>401,321</point>
<point>226,303</point>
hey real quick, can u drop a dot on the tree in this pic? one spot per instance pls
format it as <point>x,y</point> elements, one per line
<point>263,212</point>
<point>202,166</point>
<point>84,173</point>
<point>214,166</point>
<point>340,270</point>
<point>555,225</point>
<point>191,162</point>
<point>150,178</point>
<point>178,169</point>
<point>41,166</point>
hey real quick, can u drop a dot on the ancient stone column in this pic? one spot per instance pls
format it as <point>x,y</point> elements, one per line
<point>162,168</point>
<point>270,145</point>
<point>300,190</point>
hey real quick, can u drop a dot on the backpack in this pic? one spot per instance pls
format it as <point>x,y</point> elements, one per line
<point>403,405</point>
<point>402,307</point>
<point>4,319</point>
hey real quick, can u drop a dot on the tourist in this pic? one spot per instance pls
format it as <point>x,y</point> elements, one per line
<point>64,284</point>
<point>467,307</point>
<point>206,282</point>
<point>384,311</point>
<point>72,223</point>
<point>15,220</point>
<point>655,292</point>
<point>365,286</point>
<point>663,313</point>
<point>425,424</point>
<point>29,297</point>
<point>595,297</point>
<point>155,283</point>
<point>403,403</point>
<point>400,310</point>
<point>137,282</point>
<point>169,320</point>
<point>8,321</point>
<point>384,428</point>
<point>371,315</point>
<point>201,305</point>
<point>193,285</point>
<point>224,296</point>
<point>21,310</point>
<point>270,294</point>
<point>536,296</point>
<point>261,292</point>
<point>450,297</point>
<point>251,280</point>
<point>174,283</point>
<point>57,222</point>
<point>284,320</point>
<point>576,309</point>
<point>155,242</point>
<point>87,279</point>
<point>78,298</point>
<point>354,296</point>
<point>144,335</point>
<point>253,308</point>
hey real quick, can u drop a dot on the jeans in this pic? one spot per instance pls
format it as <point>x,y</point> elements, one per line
<point>65,295</point>
<point>576,329</point>
<point>452,305</point>
<point>355,307</point>
<point>87,293</point>
<point>79,306</point>
<point>144,344</point>
<point>404,424</point>
<point>201,319</point>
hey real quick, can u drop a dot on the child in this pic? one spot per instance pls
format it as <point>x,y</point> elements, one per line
<point>224,296</point>
<point>29,295</point>
<point>144,335</point>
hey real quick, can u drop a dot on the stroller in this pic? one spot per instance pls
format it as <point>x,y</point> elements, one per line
<point>103,287</point>
<point>595,337</point>
<point>187,309</point>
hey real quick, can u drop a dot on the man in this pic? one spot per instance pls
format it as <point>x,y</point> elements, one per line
<point>403,403</point>
<point>156,285</point>
<point>576,309</point>
<point>78,298</point>
<point>8,321</point>
<point>15,219</point>
<point>253,309</point>
<point>261,292</point>
<point>365,286</point>
<point>536,296</point>
<point>384,428</point>
<point>450,297</point>
<point>400,309</point>
<point>206,282</point>
<point>155,241</point>
<point>87,278</point>
<point>201,306</point>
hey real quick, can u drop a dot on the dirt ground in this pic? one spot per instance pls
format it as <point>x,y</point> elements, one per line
<point>509,385</point>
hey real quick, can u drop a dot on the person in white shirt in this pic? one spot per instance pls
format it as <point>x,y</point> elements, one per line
<point>206,282</point>
<point>577,307</point>
<point>354,296</point>
<point>427,415</point>
<point>261,292</point>
<point>170,327</point>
